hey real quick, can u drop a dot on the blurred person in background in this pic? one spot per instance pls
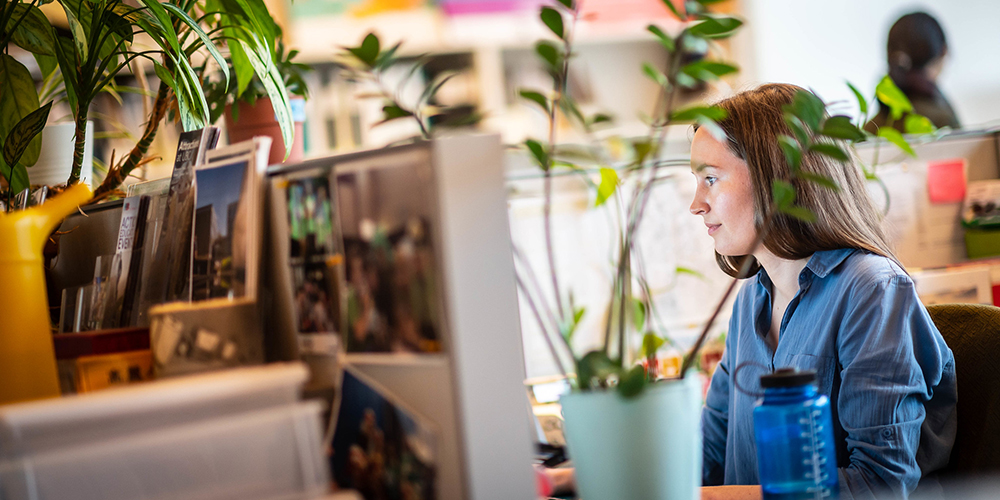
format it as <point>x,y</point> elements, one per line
<point>916,52</point>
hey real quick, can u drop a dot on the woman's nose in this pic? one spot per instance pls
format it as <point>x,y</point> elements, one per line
<point>698,207</point>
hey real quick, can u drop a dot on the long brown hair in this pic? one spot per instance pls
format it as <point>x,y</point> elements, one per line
<point>846,218</point>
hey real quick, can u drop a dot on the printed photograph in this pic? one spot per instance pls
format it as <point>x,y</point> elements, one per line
<point>315,256</point>
<point>379,449</point>
<point>220,233</point>
<point>393,302</point>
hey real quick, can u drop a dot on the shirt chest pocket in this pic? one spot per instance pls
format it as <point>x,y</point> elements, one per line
<point>823,365</point>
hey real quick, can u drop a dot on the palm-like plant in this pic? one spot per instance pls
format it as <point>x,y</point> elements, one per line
<point>249,32</point>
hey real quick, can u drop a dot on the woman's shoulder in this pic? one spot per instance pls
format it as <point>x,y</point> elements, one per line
<point>861,268</point>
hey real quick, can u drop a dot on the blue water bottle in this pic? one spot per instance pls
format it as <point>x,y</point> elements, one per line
<point>796,458</point>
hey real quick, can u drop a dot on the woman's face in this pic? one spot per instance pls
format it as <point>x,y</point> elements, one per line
<point>724,198</point>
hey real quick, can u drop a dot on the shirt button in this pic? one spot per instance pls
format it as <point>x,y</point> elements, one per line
<point>887,433</point>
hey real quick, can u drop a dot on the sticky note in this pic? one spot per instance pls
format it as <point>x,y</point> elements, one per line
<point>946,180</point>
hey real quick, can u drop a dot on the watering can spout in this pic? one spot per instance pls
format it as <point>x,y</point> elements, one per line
<point>28,229</point>
<point>27,354</point>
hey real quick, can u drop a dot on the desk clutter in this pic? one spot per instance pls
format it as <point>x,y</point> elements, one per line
<point>226,271</point>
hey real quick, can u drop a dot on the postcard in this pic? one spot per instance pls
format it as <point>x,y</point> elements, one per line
<point>379,448</point>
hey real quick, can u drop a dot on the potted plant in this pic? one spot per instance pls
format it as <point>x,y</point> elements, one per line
<point>248,109</point>
<point>368,64</point>
<point>246,28</point>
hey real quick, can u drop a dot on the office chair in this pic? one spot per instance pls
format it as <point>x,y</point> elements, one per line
<point>972,331</point>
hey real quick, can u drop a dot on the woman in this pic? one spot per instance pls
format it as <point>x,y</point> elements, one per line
<point>828,296</point>
<point>915,53</point>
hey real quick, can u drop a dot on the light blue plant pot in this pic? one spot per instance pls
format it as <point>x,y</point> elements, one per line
<point>647,447</point>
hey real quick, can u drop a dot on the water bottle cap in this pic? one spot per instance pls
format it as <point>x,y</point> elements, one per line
<point>787,377</point>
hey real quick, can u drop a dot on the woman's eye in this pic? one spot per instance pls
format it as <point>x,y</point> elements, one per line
<point>710,180</point>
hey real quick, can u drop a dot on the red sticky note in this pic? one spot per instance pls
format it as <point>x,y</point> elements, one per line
<point>946,180</point>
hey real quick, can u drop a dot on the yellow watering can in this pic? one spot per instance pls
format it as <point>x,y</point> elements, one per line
<point>27,356</point>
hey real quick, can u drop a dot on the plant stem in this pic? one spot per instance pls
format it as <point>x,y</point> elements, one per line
<point>539,292</point>
<point>689,358</point>
<point>80,145</point>
<point>559,88</point>
<point>118,174</point>
<point>541,324</point>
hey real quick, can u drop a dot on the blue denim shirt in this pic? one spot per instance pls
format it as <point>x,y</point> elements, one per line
<point>890,377</point>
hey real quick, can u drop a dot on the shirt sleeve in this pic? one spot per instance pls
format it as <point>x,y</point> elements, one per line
<point>715,419</point>
<point>889,358</point>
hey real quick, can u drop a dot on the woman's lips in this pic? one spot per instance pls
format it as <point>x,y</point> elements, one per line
<point>712,228</point>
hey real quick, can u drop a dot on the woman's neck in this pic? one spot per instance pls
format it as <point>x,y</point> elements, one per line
<point>784,273</point>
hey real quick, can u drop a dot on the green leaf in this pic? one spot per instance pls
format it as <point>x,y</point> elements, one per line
<point>538,152</point>
<point>708,70</point>
<point>830,150</point>
<point>600,118</point>
<point>64,52</point>
<point>205,40</point>
<point>76,29</point>
<point>892,96</point>
<point>822,180</point>
<point>918,124</point>
<point>119,25</point>
<point>666,41</point>
<point>386,58</point>
<point>783,193</point>
<point>713,128</point>
<point>808,108</point>
<point>550,54</point>
<point>654,74</point>
<point>241,66</point>
<point>715,27</point>
<point>23,132</point>
<point>862,102</point>
<point>553,19</point>
<point>673,8</point>
<point>639,314</point>
<point>651,343</point>
<point>392,111</point>
<point>435,86</point>
<point>798,128</point>
<point>642,148</point>
<point>274,84</point>
<point>18,179</point>
<point>692,272</point>
<point>694,112</point>
<point>801,213</point>
<point>34,34</point>
<point>18,99</point>
<point>841,127</point>
<point>569,4</point>
<point>536,98</point>
<point>368,51</point>
<point>594,366</point>
<point>633,382</point>
<point>892,135</point>
<point>46,64</point>
<point>791,150</point>
<point>607,187</point>
<point>578,315</point>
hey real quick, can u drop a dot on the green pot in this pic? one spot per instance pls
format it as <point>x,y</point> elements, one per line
<point>646,447</point>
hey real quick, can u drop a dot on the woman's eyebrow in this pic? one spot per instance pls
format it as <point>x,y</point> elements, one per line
<point>701,167</point>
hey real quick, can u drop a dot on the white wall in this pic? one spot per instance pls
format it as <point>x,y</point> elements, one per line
<point>820,44</point>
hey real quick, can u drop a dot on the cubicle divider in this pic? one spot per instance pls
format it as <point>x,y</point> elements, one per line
<point>423,295</point>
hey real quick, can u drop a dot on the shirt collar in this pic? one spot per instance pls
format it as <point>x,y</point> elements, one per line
<point>821,264</point>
